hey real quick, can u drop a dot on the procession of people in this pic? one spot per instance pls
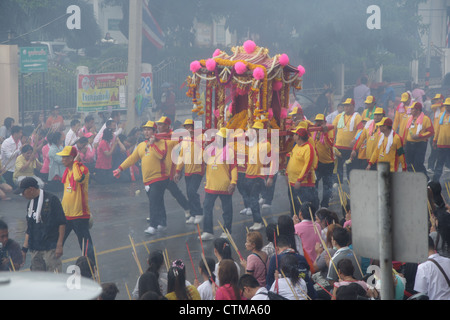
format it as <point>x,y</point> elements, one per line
<point>318,165</point>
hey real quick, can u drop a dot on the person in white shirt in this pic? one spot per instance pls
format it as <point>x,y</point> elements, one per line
<point>9,152</point>
<point>251,288</point>
<point>433,275</point>
<point>205,289</point>
<point>117,130</point>
<point>330,117</point>
<point>72,136</point>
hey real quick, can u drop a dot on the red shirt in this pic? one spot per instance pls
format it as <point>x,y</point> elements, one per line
<point>103,161</point>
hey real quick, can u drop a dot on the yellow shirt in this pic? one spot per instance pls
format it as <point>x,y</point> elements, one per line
<point>400,121</point>
<point>27,172</point>
<point>220,173</point>
<point>324,146</point>
<point>152,161</point>
<point>191,158</point>
<point>425,132</point>
<point>442,134</point>
<point>344,136</point>
<point>256,165</point>
<point>395,156</point>
<point>367,142</point>
<point>301,165</point>
<point>75,198</point>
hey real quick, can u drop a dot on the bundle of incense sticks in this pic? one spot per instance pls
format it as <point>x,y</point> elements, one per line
<point>230,238</point>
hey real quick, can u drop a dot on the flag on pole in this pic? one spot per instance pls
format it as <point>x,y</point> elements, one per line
<point>150,28</point>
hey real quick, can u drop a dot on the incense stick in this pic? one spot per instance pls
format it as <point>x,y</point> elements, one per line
<point>192,262</point>
<point>96,263</point>
<point>128,291</point>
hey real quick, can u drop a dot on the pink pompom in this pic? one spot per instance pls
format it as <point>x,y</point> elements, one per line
<point>283,59</point>
<point>270,111</point>
<point>301,70</point>
<point>240,67</point>
<point>230,108</point>
<point>283,113</point>
<point>216,53</point>
<point>277,85</point>
<point>211,64</point>
<point>195,66</point>
<point>249,46</point>
<point>258,73</point>
<point>216,113</point>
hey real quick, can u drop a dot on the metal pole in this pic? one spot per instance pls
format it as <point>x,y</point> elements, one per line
<point>385,230</point>
<point>134,59</point>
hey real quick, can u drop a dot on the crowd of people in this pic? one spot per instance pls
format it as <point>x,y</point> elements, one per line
<point>308,253</point>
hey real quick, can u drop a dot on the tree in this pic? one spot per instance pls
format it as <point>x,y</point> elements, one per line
<point>24,21</point>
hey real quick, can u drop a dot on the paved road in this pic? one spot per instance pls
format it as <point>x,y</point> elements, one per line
<point>120,210</point>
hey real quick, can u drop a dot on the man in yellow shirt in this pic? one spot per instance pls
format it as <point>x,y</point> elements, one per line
<point>221,179</point>
<point>151,153</point>
<point>436,108</point>
<point>441,141</point>
<point>402,114</point>
<point>368,139</point>
<point>301,172</point>
<point>255,175</point>
<point>75,200</point>
<point>370,109</point>
<point>324,141</point>
<point>418,130</point>
<point>389,147</point>
<point>346,127</point>
<point>26,163</point>
<point>163,127</point>
<point>191,160</point>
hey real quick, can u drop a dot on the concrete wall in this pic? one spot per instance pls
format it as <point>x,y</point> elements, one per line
<point>9,82</point>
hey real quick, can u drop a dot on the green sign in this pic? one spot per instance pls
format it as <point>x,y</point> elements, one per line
<point>33,59</point>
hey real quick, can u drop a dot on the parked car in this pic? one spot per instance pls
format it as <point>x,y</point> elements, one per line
<point>58,51</point>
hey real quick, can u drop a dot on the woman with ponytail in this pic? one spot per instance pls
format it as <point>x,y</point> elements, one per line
<point>176,283</point>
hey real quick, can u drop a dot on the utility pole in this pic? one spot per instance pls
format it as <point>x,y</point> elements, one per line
<point>134,59</point>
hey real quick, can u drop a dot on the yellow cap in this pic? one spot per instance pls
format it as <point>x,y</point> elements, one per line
<point>319,117</point>
<point>164,120</point>
<point>258,125</point>
<point>149,124</point>
<point>438,96</point>
<point>68,151</point>
<point>222,132</point>
<point>188,122</point>
<point>369,99</point>
<point>349,101</point>
<point>385,122</point>
<point>447,102</point>
<point>379,111</point>
<point>296,110</point>
<point>405,97</point>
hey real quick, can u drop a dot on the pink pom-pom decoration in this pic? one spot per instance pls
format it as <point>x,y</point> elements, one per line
<point>240,67</point>
<point>277,85</point>
<point>230,108</point>
<point>258,73</point>
<point>211,64</point>
<point>216,53</point>
<point>216,113</point>
<point>249,46</point>
<point>283,59</point>
<point>270,111</point>
<point>301,70</point>
<point>195,66</point>
<point>283,113</point>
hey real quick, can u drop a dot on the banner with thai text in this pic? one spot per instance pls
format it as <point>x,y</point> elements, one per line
<point>108,91</point>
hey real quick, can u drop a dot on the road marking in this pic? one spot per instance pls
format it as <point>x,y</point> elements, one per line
<point>164,238</point>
